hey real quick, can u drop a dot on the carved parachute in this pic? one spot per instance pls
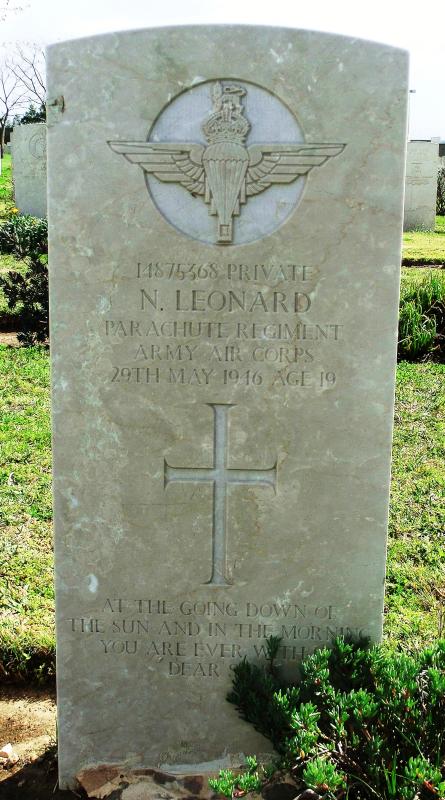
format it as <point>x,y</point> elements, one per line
<point>228,173</point>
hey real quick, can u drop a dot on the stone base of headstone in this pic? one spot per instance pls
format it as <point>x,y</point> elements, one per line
<point>111,782</point>
<point>105,781</point>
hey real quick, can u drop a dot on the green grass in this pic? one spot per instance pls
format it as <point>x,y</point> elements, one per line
<point>6,198</point>
<point>422,315</point>
<point>26,588</point>
<point>416,545</point>
<point>416,558</point>
<point>415,275</point>
<point>425,247</point>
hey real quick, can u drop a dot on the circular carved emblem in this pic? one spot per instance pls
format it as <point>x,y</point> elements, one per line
<point>225,119</point>
<point>225,162</point>
<point>37,144</point>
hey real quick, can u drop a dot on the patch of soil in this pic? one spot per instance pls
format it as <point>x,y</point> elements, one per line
<point>9,338</point>
<point>28,722</point>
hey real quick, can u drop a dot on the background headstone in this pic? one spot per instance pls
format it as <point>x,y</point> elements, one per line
<point>422,164</point>
<point>28,146</point>
<point>223,383</point>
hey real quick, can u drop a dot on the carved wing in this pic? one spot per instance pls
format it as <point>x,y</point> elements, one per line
<point>171,163</point>
<point>284,163</point>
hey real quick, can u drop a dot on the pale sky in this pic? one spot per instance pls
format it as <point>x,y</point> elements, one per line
<point>415,26</point>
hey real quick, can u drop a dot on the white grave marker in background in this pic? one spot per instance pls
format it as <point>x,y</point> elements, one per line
<point>28,146</point>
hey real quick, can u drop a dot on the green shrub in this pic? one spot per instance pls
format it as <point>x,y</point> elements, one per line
<point>26,238</point>
<point>23,235</point>
<point>231,785</point>
<point>322,776</point>
<point>359,722</point>
<point>440,199</point>
<point>422,319</point>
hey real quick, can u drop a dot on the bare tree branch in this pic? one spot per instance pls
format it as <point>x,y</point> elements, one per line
<point>8,7</point>
<point>28,66</point>
<point>13,97</point>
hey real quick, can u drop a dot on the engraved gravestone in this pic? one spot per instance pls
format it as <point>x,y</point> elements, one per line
<point>28,145</point>
<point>225,216</point>
<point>422,166</point>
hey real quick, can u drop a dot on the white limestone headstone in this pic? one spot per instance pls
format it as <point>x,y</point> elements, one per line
<point>422,165</point>
<point>225,208</point>
<point>28,146</point>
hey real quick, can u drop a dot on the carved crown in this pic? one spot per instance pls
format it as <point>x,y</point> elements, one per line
<point>226,123</point>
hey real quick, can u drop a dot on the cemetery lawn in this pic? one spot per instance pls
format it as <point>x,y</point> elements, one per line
<point>416,546</point>
<point>425,247</point>
<point>26,590</point>
<point>6,199</point>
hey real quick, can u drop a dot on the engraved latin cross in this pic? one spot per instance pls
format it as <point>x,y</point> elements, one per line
<point>221,476</point>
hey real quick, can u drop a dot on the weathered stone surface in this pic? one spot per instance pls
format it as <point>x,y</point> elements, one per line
<point>106,781</point>
<point>223,384</point>
<point>28,144</point>
<point>422,165</point>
